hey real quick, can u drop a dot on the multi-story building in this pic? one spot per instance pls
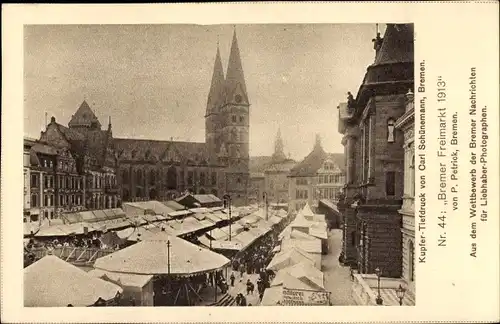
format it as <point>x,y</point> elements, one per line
<point>52,184</point>
<point>28,143</point>
<point>276,174</point>
<point>43,161</point>
<point>375,156</point>
<point>87,161</point>
<point>406,125</point>
<point>319,176</point>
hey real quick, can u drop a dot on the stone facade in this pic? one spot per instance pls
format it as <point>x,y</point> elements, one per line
<point>375,157</point>
<point>406,124</point>
<point>55,186</point>
<point>319,176</point>
<point>257,188</point>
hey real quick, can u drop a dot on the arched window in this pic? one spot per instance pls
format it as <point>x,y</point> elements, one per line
<point>152,177</point>
<point>390,130</point>
<point>139,177</point>
<point>411,261</point>
<point>171,178</point>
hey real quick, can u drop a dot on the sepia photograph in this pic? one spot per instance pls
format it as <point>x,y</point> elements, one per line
<point>219,165</point>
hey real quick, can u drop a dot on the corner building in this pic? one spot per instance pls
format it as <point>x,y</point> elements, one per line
<point>375,156</point>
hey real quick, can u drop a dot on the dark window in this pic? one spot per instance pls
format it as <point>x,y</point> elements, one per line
<point>411,261</point>
<point>45,200</point>
<point>214,179</point>
<point>202,178</point>
<point>233,119</point>
<point>353,238</point>
<point>125,178</point>
<point>242,119</point>
<point>190,179</point>
<point>390,183</point>
<point>152,177</point>
<point>172,178</point>
<point>34,201</point>
<point>61,200</point>
<point>34,181</point>
<point>45,182</point>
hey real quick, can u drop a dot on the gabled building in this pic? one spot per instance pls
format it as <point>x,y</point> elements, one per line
<point>375,156</point>
<point>319,176</point>
<point>88,164</point>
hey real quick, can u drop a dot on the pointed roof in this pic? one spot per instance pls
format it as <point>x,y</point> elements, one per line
<point>216,88</point>
<point>235,79</point>
<point>151,257</point>
<point>279,153</point>
<point>397,45</point>
<point>84,116</point>
<point>52,282</point>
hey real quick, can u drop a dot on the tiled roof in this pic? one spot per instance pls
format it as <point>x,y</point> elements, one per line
<point>259,163</point>
<point>313,162</point>
<point>138,149</point>
<point>44,149</point>
<point>397,45</point>
<point>284,166</point>
<point>84,116</point>
<point>70,134</point>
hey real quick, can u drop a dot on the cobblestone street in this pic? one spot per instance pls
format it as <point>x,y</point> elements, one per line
<point>337,278</point>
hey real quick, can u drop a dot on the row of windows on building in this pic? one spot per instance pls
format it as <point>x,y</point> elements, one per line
<point>49,201</point>
<point>301,194</point>
<point>99,181</point>
<point>331,178</point>
<point>69,182</point>
<point>201,178</point>
<point>272,185</point>
<point>327,193</point>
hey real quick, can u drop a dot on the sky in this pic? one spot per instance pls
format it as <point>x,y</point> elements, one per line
<point>153,80</point>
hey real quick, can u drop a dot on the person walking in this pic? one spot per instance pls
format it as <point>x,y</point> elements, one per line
<point>232,279</point>
<point>249,286</point>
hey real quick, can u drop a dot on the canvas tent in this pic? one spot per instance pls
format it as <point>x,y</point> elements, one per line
<point>52,282</point>
<point>136,287</point>
<point>152,256</point>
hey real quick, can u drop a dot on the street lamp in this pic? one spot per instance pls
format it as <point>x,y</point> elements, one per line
<point>168,257</point>
<point>400,292</point>
<point>227,202</point>
<point>379,299</point>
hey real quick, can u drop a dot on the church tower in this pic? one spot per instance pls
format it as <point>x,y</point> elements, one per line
<point>279,153</point>
<point>234,125</point>
<point>214,103</point>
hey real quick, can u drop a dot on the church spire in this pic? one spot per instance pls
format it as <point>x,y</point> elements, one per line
<point>215,94</point>
<point>236,90</point>
<point>279,153</point>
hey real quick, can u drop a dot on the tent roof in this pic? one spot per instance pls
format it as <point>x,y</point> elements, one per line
<point>174,205</point>
<point>288,258</point>
<point>309,276</point>
<point>151,257</point>
<point>122,279</point>
<point>52,282</point>
<point>309,246</point>
<point>272,296</point>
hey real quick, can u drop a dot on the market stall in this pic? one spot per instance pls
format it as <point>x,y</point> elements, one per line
<point>52,282</point>
<point>180,268</point>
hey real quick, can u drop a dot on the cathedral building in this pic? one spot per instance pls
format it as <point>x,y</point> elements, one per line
<point>122,169</point>
<point>165,169</point>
